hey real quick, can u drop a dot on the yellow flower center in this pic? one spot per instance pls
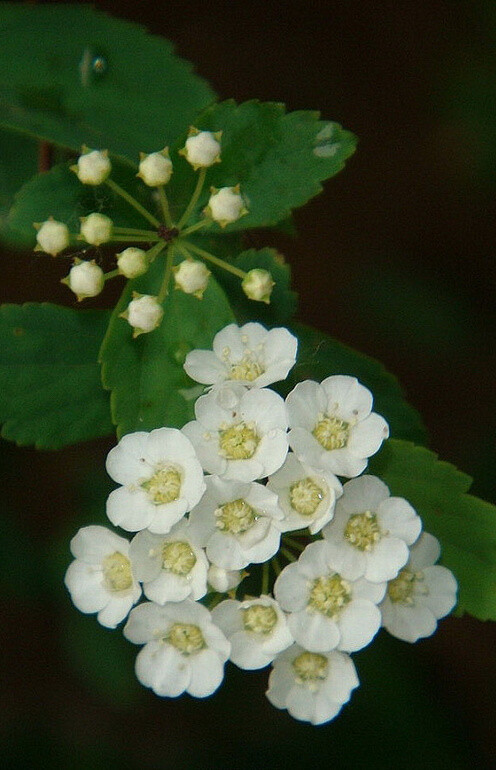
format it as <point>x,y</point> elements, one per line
<point>238,442</point>
<point>310,668</point>
<point>305,496</point>
<point>164,486</point>
<point>186,638</point>
<point>235,517</point>
<point>178,557</point>
<point>400,589</point>
<point>259,618</point>
<point>329,594</point>
<point>248,368</point>
<point>117,572</point>
<point>331,432</point>
<point>362,531</point>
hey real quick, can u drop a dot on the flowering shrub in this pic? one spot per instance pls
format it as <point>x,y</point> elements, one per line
<point>270,515</point>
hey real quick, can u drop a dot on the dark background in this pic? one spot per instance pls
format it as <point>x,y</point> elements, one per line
<point>395,258</point>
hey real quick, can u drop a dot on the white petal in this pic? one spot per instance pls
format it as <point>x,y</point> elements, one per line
<point>314,631</point>
<point>225,551</point>
<point>301,704</point>
<point>130,510</point>
<point>367,436</point>
<point>386,559</point>
<point>305,402</point>
<point>207,673</point>
<point>91,544</point>
<point>291,589</point>
<point>372,592</point>
<point>126,461</point>
<point>229,337</point>
<point>358,624</point>
<point>324,709</point>
<point>363,494</point>
<point>162,668</point>
<point>204,366</point>
<point>143,621</point>
<point>397,517</point>
<point>346,397</point>
<point>265,408</point>
<point>341,678</point>
<point>167,588</point>
<point>424,552</point>
<point>442,588</point>
<point>85,585</point>
<point>115,611</point>
<point>228,617</point>
<point>145,552</point>
<point>408,623</point>
<point>247,654</point>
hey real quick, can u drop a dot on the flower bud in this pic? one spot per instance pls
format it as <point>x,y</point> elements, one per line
<point>191,276</point>
<point>93,167</point>
<point>202,148</point>
<point>132,262</point>
<point>52,236</point>
<point>155,169</point>
<point>225,205</point>
<point>85,279</point>
<point>96,229</point>
<point>223,580</point>
<point>258,284</point>
<point>144,313</point>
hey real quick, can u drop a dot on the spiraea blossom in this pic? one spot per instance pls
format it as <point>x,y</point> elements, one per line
<point>256,628</point>
<point>306,496</point>
<point>371,530</point>
<point>422,593</point>
<point>161,480</point>
<point>171,567</point>
<point>249,354</point>
<point>333,426</point>
<point>297,569</point>
<point>101,578</point>
<point>240,433</point>
<point>237,523</point>
<point>184,651</point>
<point>328,610</point>
<point>312,686</point>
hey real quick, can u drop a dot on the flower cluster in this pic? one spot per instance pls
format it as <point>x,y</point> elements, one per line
<point>211,507</point>
<point>184,263</point>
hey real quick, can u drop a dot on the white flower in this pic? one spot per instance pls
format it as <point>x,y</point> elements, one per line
<point>96,228</point>
<point>132,262</point>
<point>171,567</point>
<point>223,580</point>
<point>312,686</point>
<point>236,522</point>
<point>101,578</point>
<point>52,237</point>
<point>155,169</point>
<point>256,628</point>
<point>258,284</point>
<point>184,651</point>
<point>371,531</point>
<point>422,593</point>
<point>249,354</point>
<point>306,496</point>
<point>144,313</point>
<point>85,279</point>
<point>93,167</point>
<point>226,206</point>
<point>191,276</point>
<point>328,609</point>
<point>333,426</point>
<point>202,148</point>
<point>239,433</point>
<point>161,477</point>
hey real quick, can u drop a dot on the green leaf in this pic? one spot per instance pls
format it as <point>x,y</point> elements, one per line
<point>465,525</point>
<point>18,162</point>
<point>283,300</point>
<point>149,386</point>
<point>60,194</point>
<point>320,356</point>
<point>278,158</point>
<point>72,75</point>
<point>50,390</point>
